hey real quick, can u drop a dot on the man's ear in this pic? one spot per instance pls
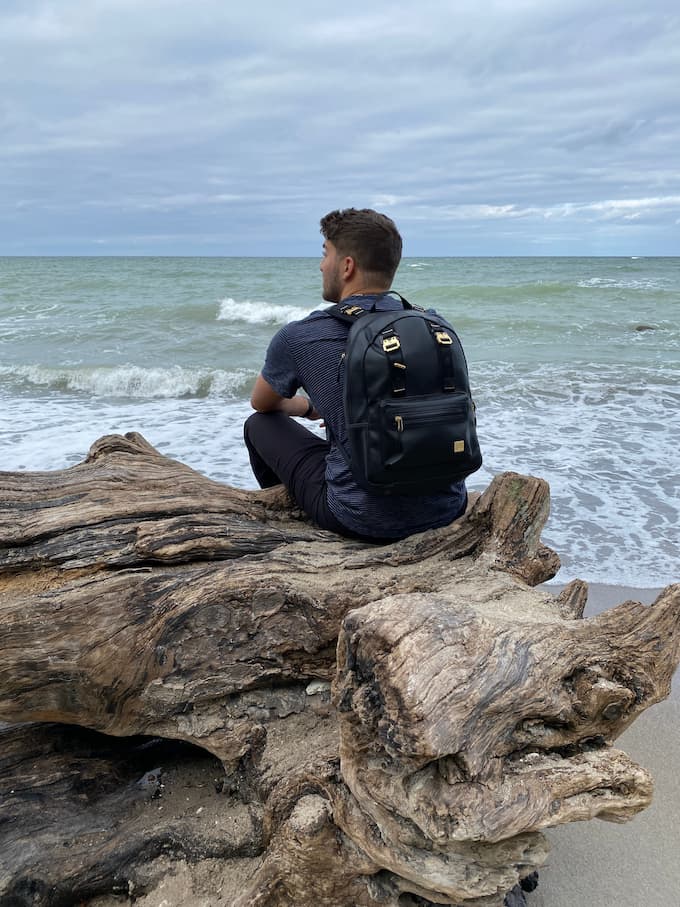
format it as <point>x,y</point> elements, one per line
<point>349,267</point>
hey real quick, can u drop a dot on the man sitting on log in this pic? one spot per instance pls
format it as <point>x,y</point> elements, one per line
<point>361,253</point>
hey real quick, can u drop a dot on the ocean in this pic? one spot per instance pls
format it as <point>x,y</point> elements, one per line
<point>574,365</point>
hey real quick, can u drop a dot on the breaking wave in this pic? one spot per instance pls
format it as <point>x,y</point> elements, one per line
<point>129,381</point>
<point>259,312</point>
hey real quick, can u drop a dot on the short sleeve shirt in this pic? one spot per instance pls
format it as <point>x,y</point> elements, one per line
<point>308,354</point>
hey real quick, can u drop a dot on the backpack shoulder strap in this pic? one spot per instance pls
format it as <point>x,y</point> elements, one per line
<point>346,312</point>
<point>349,312</point>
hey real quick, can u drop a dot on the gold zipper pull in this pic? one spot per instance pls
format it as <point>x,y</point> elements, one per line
<point>399,422</point>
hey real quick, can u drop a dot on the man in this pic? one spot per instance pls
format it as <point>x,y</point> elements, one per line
<point>361,253</point>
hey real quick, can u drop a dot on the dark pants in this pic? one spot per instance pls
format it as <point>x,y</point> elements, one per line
<point>283,452</point>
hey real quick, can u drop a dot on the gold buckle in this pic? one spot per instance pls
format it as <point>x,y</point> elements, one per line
<point>391,344</point>
<point>459,446</point>
<point>352,309</point>
<point>443,338</point>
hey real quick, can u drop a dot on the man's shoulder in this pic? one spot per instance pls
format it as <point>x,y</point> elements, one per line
<point>317,321</point>
<point>316,315</point>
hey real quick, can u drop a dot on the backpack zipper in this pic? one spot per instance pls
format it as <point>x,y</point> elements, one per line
<point>340,362</point>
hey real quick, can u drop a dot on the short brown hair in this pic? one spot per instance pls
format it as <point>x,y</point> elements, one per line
<point>370,238</point>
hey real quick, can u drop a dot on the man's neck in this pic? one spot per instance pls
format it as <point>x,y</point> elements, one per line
<point>364,291</point>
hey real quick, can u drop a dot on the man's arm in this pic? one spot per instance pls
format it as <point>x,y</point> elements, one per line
<point>265,399</point>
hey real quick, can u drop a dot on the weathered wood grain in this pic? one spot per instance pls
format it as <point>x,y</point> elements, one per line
<point>470,709</point>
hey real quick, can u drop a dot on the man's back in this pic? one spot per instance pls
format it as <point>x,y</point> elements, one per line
<point>308,354</point>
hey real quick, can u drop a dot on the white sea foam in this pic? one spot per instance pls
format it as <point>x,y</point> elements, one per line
<point>606,448</point>
<point>131,381</point>
<point>205,433</point>
<point>259,312</point>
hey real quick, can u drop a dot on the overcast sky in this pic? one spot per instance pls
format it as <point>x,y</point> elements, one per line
<point>167,127</point>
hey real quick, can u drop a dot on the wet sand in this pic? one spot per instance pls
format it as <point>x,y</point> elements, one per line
<point>600,864</point>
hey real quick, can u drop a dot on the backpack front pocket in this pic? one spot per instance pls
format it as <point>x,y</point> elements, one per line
<point>421,433</point>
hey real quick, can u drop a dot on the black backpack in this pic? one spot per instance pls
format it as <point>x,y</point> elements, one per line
<point>410,418</point>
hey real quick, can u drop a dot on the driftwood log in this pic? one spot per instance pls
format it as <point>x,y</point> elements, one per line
<point>379,725</point>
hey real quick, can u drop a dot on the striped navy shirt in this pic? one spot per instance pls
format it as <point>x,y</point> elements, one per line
<point>308,354</point>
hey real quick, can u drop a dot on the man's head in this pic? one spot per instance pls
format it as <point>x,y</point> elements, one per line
<point>362,250</point>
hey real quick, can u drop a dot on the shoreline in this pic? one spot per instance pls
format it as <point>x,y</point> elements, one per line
<point>606,595</point>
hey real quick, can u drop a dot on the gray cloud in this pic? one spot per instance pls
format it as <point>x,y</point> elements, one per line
<point>496,128</point>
